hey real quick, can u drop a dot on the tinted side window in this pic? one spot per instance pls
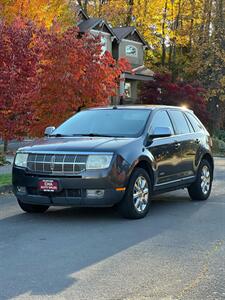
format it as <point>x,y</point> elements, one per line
<point>161,119</point>
<point>194,122</point>
<point>180,122</point>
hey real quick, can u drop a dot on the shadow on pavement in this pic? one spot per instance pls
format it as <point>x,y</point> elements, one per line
<point>39,253</point>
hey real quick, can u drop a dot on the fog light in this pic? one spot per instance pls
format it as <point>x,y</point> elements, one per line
<point>21,189</point>
<point>95,194</point>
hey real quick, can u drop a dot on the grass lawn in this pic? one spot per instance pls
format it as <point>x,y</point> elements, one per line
<point>5,179</point>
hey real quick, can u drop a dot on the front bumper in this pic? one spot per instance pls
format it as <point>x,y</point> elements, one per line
<point>73,190</point>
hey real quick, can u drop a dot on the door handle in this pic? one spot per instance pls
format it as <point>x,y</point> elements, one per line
<point>177,145</point>
<point>197,141</point>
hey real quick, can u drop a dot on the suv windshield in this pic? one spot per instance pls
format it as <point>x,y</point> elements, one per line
<point>105,122</point>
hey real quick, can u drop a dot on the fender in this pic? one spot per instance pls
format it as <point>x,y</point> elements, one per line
<point>204,153</point>
<point>146,157</point>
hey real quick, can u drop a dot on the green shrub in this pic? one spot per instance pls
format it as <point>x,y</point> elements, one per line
<point>220,134</point>
<point>2,159</point>
<point>218,146</point>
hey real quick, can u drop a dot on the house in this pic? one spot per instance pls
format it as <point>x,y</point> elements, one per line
<point>124,42</point>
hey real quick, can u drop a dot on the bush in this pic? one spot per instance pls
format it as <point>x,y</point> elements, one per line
<point>162,90</point>
<point>218,146</point>
<point>220,134</point>
<point>2,159</point>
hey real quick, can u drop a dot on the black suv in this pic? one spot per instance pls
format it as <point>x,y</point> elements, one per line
<point>115,155</point>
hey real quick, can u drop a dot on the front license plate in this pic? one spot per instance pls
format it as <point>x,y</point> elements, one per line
<point>47,185</point>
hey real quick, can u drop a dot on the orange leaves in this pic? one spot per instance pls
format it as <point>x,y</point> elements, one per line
<point>44,12</point>
<point>73,74</point>
<point>45,76</point>
<point>18,78</point>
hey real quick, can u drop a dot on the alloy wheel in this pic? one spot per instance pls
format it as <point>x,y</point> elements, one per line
<point>205,180</point>
<point>141,194</point>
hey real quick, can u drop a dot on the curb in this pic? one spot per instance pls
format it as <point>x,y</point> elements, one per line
<point>5,189</point>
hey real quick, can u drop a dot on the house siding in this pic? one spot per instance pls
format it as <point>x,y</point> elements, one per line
<point>106,36</point>
<point>134,61</point>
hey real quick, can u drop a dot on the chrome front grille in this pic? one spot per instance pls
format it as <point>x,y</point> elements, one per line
<point>56,163</point>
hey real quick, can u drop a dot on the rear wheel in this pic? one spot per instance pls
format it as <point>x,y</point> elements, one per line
<point>136,202</point>
<point>201,188</point>
<point>31,208</point>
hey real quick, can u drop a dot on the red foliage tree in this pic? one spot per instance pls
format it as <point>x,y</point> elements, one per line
<point>163,91</point>
<point>18,80</point>
<point>73,73</point>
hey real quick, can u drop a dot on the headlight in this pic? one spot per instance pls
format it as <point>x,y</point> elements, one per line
<point>98,161</point>
<point>21,160</point>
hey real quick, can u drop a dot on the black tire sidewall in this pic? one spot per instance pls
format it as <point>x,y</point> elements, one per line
<point>195,189</point>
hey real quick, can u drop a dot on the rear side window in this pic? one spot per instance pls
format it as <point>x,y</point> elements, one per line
<point>195,123</point>
<point>180,122</point>
<point>161,119</point>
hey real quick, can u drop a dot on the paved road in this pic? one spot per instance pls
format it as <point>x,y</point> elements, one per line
<point>177,252</point>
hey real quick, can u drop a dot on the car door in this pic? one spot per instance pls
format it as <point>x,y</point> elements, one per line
<point>186,140</point>
<point>198,138</point>
<point>166,154</point>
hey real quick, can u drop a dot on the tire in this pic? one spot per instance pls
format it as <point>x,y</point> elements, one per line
<point>31,208</point>
<point>201,188</point>
<point>137,207</point>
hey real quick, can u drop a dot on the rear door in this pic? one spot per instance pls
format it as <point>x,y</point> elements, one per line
<point>185,139</point>
<point>198,136</point>
<point>166,154</point>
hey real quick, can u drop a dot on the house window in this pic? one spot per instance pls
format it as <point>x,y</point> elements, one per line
<point>131,51</point>
<point>127,90</point>
<point>104,44</point>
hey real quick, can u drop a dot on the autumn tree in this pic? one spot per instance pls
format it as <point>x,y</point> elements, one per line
<point>168,26</point>
<point>42,12</point>
<point>73,73</point>
<point>83,4</point>
<point>207,59</point>
<point>18,78</point>
<point>165,92</point>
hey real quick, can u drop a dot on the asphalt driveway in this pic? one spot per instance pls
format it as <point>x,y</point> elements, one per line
<point>176,252</point>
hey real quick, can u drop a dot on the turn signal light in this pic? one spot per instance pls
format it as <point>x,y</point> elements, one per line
<point>120,189</point>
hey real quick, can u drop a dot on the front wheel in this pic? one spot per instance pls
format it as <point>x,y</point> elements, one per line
<point>136,202</point>
<point>31,208</point>
<point>201,188</point>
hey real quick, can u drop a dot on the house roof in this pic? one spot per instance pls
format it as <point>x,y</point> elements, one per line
<point>123,32</point>
<point>142,70</point>
<point>91,23</point>
<point>81,11</point>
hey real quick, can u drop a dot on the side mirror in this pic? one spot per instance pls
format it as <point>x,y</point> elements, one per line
<point>160,132</point>
<point>49,130</point>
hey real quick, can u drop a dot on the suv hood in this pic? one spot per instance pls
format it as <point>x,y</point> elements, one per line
<point>78,144</point>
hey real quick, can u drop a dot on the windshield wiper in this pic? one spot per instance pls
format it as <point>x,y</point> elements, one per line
<point>58,135</point>
<point>93,135</point>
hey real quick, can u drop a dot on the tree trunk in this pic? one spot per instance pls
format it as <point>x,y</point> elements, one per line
<point>208,21</point>
<point>5,147</point>
<point>163,35</point>
<point>130,12</point>
<point>192,23</point>
<point>83,4</point>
